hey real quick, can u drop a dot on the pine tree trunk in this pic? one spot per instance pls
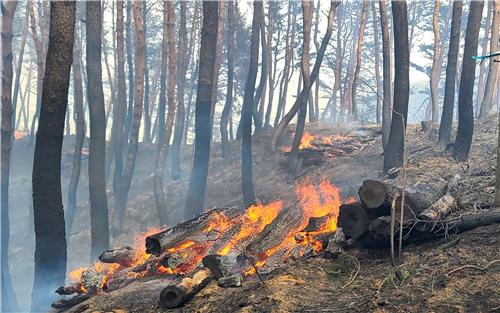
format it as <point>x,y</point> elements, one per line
<point>147,117</point>
<point>248,104</point>
<point>314,117</point>
<point>394,153</point>
<point>386,73</point>
<point>119,110</point>
<point>451,74</point>
<point>492,80</point>
<point>359,46</point>
<point>466,91</point>
<point>377,64</point>
<point>128,172</point>
<point>181,78</point>
<point>436,63</point>
<point>9,302</point>
<point>231,46</point>
<point>50,236</point>
<point>99,229</point>
<point>79,140</point>
<point>203,124</point>
<point>218,58</point>
<point>482,65</point>
<point>263,77</point>
<point>130,65</point>
<point>272,66</point>
<point>160,200</point>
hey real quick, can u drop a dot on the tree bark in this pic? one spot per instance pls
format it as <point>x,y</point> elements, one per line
<point>362,25</point>
<point>203,124</point>
<point>9,302</point>
<point>466,91</point>
<point>257,116</point>
<point>218,58</point>
<point>451,74</point>
<point>248,107</point>
<point>147,117</point>
<point>130,65</point>
<point>80,137</point>
<point>231,46</point>
<point>120,107</point>
<point>128,172</point>
<point>492,79</point>
<point>386,73</point>
<point>482,66</point>
<point>394,152</point>
<point>436,63</point>
<point>181,78</point>
<point>99,229</point>
<point>161,203</point>
<point>50,236</point>
<point>272,66</point>
<point>377,64</point>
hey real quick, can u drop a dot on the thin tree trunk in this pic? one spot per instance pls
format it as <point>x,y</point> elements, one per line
<point>466,91</point>
<point>50,235</point>
<point>130,65</point>
<point>436,63</point>
<point>257,117</point>
<point>451,74</point>
<point>9,301</point>
<point>484,51</point>
<point>492,80</point>
<point>231,46</point>
<point>121,105</point>
<point>79,140</point>
<point>181,78</point>
<point>288,59</point>
<point>377,64</point>
<point>203,124</point>
<point>128,172</point>
<point>386,72</point>
<point>272,66</point>
<point>147,117</point>
<point>160,200</point>
<point>218,58</point>
<point>394,152</point>
<point>248,105</point>
<point>362,25</point>
<point>99,230</point>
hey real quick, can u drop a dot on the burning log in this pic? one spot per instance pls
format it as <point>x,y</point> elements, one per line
<point>225,239</point>
<point>335,245</point>
<point>161,241</point>
<point>315,223</point>
<point>288,220</point>
<point>123,256</point>
<point>68,303</point>
<point>354,219</point>
<point>183,289</point>
<point>220,265</point>
<point>71,289</point>
<point>439,209</point>
<point>173,261</point>
<point>379,232</point>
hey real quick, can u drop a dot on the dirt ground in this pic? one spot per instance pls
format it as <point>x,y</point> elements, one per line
<point>421,284</point>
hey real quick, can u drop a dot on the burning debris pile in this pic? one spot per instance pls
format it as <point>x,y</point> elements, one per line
<point>315,150</point>
<point>225,244</point>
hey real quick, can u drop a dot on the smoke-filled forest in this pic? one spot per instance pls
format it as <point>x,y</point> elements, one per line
<point>250,156</point>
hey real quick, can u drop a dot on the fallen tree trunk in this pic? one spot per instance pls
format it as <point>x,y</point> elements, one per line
<point>378,196</point>
<point>354,219</point>
<point>161,241</point>
<point>68,303</point>
<point>288,220</point>
<point>439,209</point>
<point>182,290</point>
<point>379,230</point>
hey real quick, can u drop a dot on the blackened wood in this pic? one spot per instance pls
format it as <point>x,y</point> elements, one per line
<point>157,243</point>
<point>182,290</point>
<point>69,290</point>
<point>439,209</point>
<point>353,218</point>
<point>123,256</point>
<point>67,303</point>
<point>378,234</point>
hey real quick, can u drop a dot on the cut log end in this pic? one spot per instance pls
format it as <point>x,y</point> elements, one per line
<point>184,289</point>
<point>372,193</point>
<point>353,219</point>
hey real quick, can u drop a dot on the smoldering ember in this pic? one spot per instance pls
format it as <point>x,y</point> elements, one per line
<point>258,156</point>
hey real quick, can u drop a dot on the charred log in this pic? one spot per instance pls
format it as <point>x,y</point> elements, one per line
<point>71,289</point>
<point>378,234</point>
<point>288,220</point>
<point>220,266</point>
<point>354,219</point>
<point>182,290</point>
<point>159,242</point>
<point>68,303</point>
<point>439,209</point>
<point>123,256</point>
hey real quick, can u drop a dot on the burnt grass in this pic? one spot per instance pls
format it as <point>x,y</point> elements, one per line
<point>420,284</point>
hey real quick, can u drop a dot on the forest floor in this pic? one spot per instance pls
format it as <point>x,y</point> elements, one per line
<point>312,285</point>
